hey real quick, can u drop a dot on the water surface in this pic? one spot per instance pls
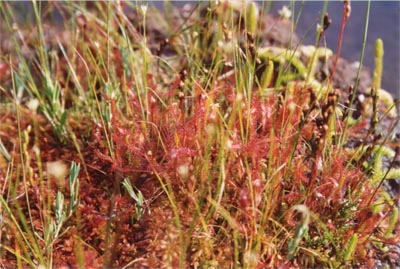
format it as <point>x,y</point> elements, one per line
<point>384,23</point>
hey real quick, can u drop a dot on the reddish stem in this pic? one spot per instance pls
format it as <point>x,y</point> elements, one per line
<point>346,15</point>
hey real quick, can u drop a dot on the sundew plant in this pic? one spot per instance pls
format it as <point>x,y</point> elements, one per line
<point>207,136</point>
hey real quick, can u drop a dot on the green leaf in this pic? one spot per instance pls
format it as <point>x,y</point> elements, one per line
<point>4,151</point>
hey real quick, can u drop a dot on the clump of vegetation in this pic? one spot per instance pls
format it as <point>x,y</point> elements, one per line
<point>198,138</point>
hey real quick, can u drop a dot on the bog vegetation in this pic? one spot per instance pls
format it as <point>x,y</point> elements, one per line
<point>204,137</point>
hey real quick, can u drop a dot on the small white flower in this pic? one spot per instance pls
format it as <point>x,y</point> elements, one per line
<point>292,106</point>
<point>285,12</point>
<point>183,170</point>
<point>113,95</point>
<point>33,105</point>
<point>36,149</point>
<point>229,144</point>
<point>210,129</point>
<point>319,27</point>
<point>355,64</point>
<point>144,9</point>
<point>320,165</point>
<point>57,169</point>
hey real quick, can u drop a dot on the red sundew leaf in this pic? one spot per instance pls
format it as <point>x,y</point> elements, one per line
<point>244,198</point>
<point>122,131</point>
<point>103,156</point>
<point>368,222</point>
<point>179,153</point>
<point>173,87</point>
<point>4,71</point>
<point>293,197</point>
<point>173,113</point>
<point>229,93</point>
<point>300,172</point>
<point>257,148</point>
<point>81,20</point>
<point>265,114</point>
<point>307,131</point>
<point>289,218</point>
<point>130,84</point>
<point>257,183</point>
<point>117,59</point>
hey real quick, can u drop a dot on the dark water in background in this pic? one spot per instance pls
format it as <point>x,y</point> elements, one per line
<point>384,23</point>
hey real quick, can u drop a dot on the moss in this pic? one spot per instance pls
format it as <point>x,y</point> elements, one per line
<point>379,172</point>
<point>378,63</point>
<point>304,72</point>
<point>251,18</point>
<point>266,76</point>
